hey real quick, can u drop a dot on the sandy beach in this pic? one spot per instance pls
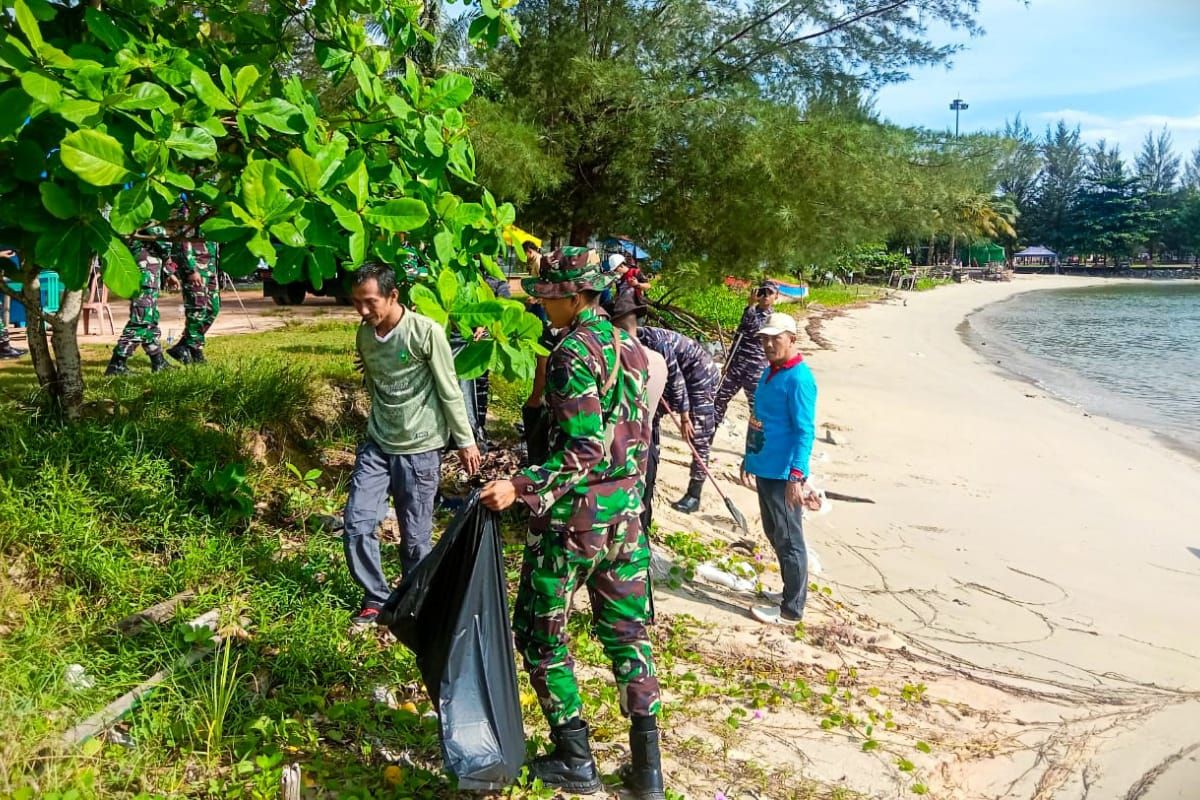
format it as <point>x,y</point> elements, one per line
<point>1034,566</point>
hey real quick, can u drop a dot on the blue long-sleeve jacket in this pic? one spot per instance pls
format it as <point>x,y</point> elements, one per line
<point>780,440</point>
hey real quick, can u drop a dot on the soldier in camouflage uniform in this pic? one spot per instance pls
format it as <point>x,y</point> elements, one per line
<point>692,379</point>
<point>586,501</point>
<point>746,361</point>
<point>142,327</point>
<point>201,278</point>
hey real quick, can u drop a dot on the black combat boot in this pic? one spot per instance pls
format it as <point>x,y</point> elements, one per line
<point>116,365</point>
<point>570,765</point>
<point>181,352</point>
<point>197,354</point>
<point>643,776</point>
<point>158,363</point>
<point>690,502</point>
<point>8,351</point>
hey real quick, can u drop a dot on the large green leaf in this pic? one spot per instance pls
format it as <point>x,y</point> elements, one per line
<point>62,250</point>
<point>194,143</point>
<point>352,222</point>
<point>306,169</point>
<point>208,92</point>
<point>41,87</point>
<point>58,201</point>
<point>79,112</point>
<point>358,184</point>
<point>220,229</point>
<point>27,23</point>
<point>449,91</point>
<point>425,302</point>
<point>14,108</point>
<point>277,114</point>
<point>321,265</point>
<point>104,29</point>
<point>143,96</point>
<point>447,286</point>
<point>95,157</point>
<point>260,245</point>
<point>404,214</point>
<point>288,235</point>
<point>121,273</point>
<point>243,82</point>
<point>287,268</point>
<point>133,208</point>
<point>474,359</point>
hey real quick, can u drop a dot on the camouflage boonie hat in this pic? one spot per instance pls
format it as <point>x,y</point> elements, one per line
<point>567,272</point>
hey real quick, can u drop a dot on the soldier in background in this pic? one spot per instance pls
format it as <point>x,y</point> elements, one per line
<point>142,328</point>
<point>7,350</point>
<point>586,502</point>
<point>746,360</point>
<point>201,278</point>
<point>692,379</point>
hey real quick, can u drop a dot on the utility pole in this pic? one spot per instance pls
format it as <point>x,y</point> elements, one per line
<point>957,106</point>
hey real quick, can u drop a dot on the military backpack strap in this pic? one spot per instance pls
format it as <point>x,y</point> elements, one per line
<point>610,430</point>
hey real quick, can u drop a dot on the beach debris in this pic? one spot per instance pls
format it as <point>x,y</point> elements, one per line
<point>290,782</point>
<point>104,718</point>
<point>711,573</point>
<point>77,678</point>
<point>384,696</point>
<point>155,614</point>
<point>848,498</point>
<point>814,562</point>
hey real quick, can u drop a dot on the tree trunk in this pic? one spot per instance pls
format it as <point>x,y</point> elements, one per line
<point>65,334</point>
<point>932,262</point>
<point>581,231</point>
<point>39,348</point>
<point>59,370</point>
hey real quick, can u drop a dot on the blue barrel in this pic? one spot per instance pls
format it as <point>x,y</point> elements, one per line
<point>51,286</point>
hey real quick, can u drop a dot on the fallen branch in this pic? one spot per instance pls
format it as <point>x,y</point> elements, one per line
<point>114,711</point>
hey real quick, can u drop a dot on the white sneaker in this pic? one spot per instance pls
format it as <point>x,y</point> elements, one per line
<point>771,615</point>
<point>771,597</point>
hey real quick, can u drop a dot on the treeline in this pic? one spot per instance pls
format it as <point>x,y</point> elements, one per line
<point>729,137</point>
<point>1091,202</point>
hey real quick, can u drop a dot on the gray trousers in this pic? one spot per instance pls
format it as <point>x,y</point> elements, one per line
<point>412,481</point>
<point>785,532</point>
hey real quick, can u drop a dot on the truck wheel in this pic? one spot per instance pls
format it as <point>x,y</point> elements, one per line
<point>280,300</point>
<point>296,293</point>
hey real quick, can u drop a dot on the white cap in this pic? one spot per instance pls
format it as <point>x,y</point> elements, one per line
<point>615,260</point>
<point>778,323</point>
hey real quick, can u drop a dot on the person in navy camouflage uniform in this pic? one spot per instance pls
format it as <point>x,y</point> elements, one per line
<point>692,380</point>
<point>746,361</point>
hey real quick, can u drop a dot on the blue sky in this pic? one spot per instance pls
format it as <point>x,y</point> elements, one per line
<point>1117,68</point>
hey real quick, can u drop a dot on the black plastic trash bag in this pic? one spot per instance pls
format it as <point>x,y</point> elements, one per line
<point>452,611</point>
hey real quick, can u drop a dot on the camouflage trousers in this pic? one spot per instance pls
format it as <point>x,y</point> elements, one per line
<point>141,329</point>
<point>613,562</point>
<point>704,420</point>
<point>741,375</point>
<point>201,307</point>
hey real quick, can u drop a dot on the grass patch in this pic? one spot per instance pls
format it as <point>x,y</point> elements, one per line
<point>140,500</point>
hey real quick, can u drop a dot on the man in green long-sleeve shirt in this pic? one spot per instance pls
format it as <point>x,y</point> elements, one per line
<point>416,408</point>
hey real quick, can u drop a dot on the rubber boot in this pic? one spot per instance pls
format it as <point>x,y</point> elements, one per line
<point>570,765</point>
<point>158,363</point>
<point>197,354</point>
<point>180,352</point>
<point>643,776</point>
<point>116,365</point>
<point>690,502</point>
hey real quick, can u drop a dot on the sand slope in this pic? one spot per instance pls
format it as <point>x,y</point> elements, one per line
<point>1032,560</point>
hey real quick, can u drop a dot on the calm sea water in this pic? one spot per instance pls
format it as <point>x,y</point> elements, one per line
<point>1129,351</point>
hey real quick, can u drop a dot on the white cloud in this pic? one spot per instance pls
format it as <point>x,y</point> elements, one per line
<point>1129,132</point>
